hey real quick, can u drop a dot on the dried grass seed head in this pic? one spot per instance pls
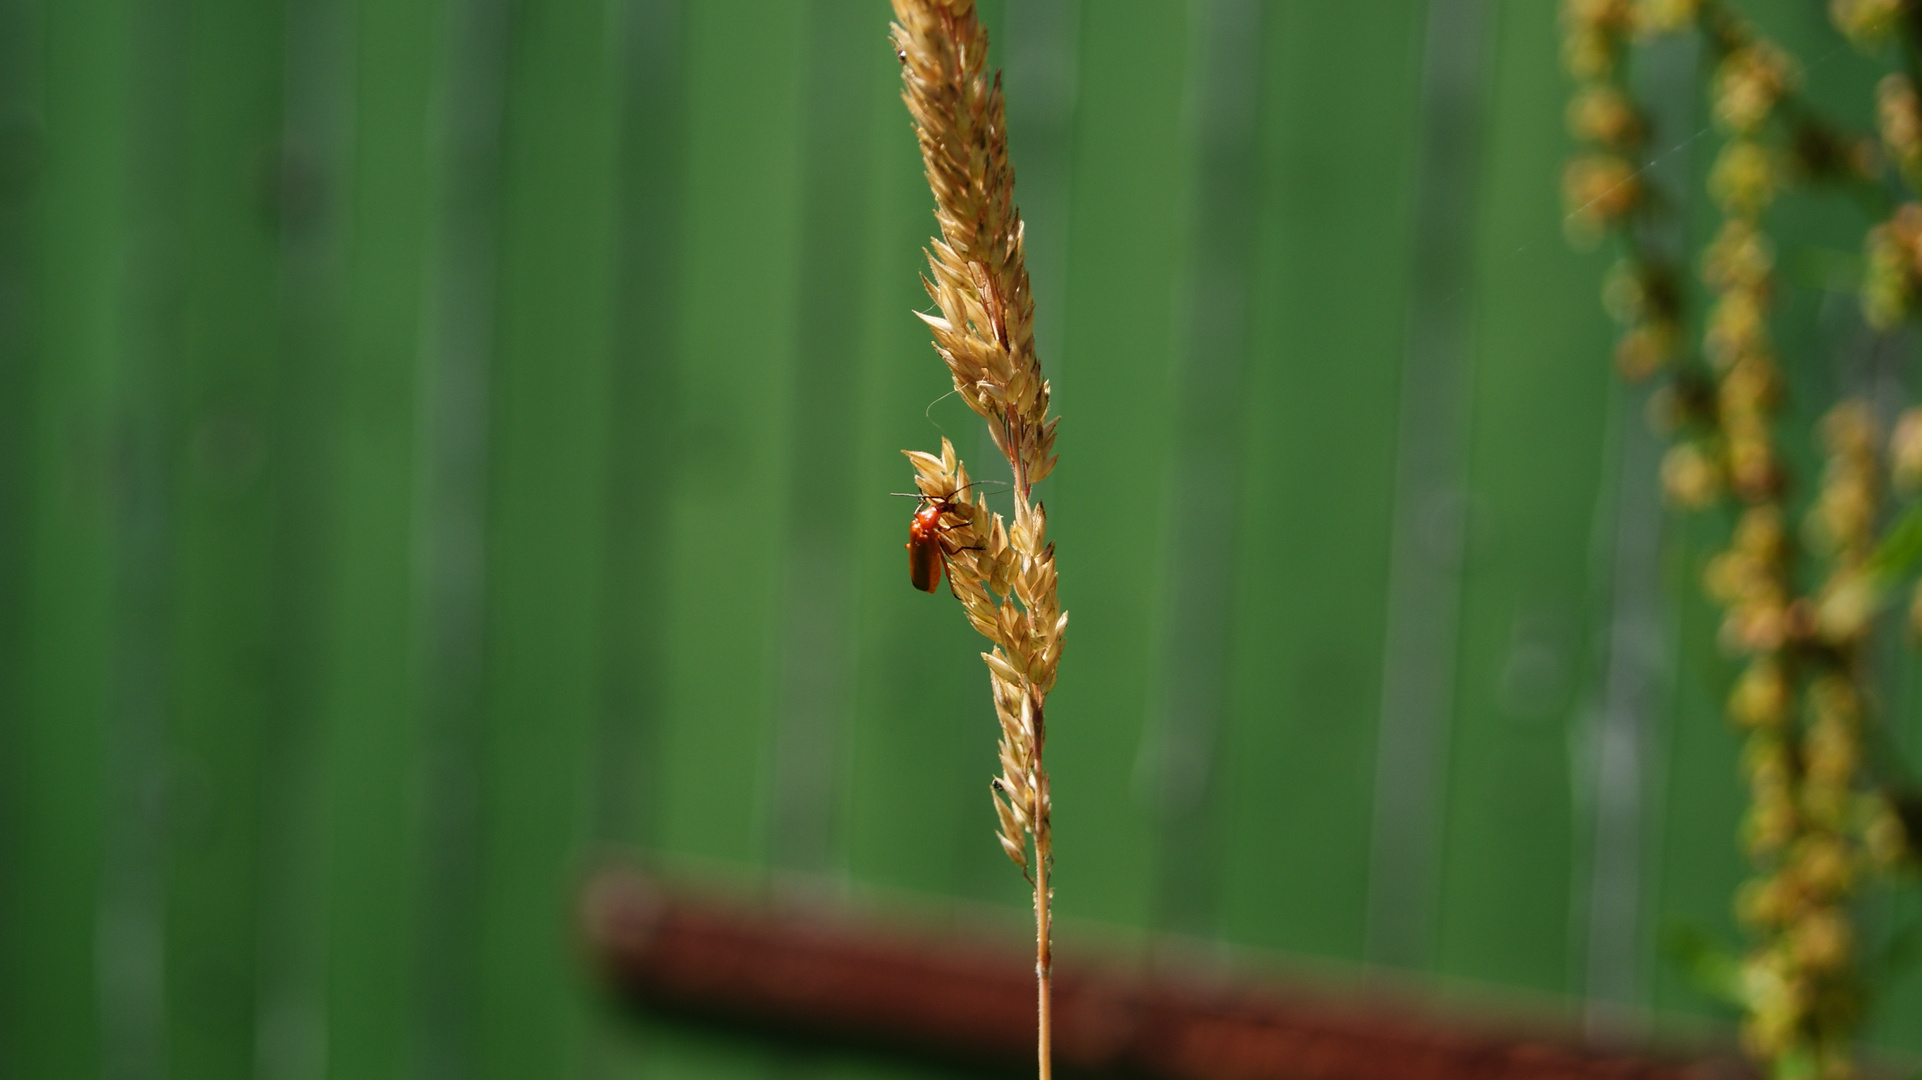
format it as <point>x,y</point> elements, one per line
<point>977,269</point>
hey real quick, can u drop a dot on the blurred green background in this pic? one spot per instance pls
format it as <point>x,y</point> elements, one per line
<point>445,443</point>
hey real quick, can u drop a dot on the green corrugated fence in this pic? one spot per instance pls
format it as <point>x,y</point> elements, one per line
<point>442,444</point>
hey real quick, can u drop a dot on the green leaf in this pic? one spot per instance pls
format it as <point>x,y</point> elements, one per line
<point>1710,968</point>
<point>1900,548</point>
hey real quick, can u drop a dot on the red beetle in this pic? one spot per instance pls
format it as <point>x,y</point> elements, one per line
<point>927,545</point>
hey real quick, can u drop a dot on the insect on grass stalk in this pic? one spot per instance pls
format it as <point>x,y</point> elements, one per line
<point>1003,574</point>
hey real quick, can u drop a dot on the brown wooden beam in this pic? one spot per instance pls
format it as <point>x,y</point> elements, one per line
<point>836,980</point>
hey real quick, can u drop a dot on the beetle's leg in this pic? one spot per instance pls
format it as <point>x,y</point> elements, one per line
<point>947,553</point>
<point>945,529</point>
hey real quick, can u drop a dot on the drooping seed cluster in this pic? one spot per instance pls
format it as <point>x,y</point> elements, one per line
<point>1868,23</point>
<point>1749,81</point>
<point>1813,830</point>
<point>1898,121</point>
<point>1893,276</point>
<point>1815,826</point>
<point>1893,268</point>
<point>1841,524</point>
<point>1004,575</point>
<point>1599,183</point>
<point>1802,997</point>
<point>1738,268</point>
<point>1892,281</point>
<point>1905,453</point>
<point>1798,983</point>
<point>1602,188</point>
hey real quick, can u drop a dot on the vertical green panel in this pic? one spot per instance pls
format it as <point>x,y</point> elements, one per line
<point>147,794</point>
<point>1039,44</point>
<point>1620,746</point>
<point>306,191</point>
<point>641,401</point>
<point>1318,475</point>
<point>1195,572</point>
<point>545,528</point>
<point>815,643</point>
<point>1425,540</point>
<point>21,223</point>
<point>733,351</point>
<point>1534,464</point>
<point>1695,863</point>
<point>1698,863</point>
<point>370,752</point>
<point>1127,229</point>
<point>55,842</point>
<point>451,517</point>
<point>223,535</point>
<point>22,86</point>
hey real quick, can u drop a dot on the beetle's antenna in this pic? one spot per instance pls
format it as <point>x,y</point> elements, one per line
<point>928,413</point>
<point>963,487</point>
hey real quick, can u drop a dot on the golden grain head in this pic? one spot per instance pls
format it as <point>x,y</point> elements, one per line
<point>976,275</point>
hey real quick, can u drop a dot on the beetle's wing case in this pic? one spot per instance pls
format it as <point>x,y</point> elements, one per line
<point>924,558</point>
